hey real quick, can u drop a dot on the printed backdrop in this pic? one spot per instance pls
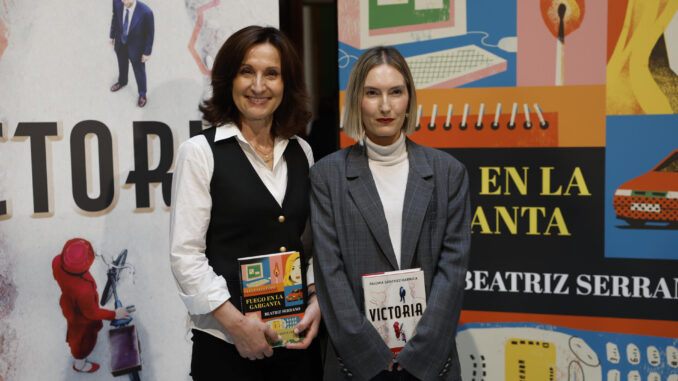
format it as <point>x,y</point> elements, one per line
<point>77,160</point>
<point>564,113</point>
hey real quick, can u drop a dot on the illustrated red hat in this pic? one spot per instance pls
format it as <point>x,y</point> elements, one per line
<point>77,256</point>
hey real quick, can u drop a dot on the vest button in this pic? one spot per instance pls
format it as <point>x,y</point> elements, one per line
<point>281,219</point>
<point>283,249</point>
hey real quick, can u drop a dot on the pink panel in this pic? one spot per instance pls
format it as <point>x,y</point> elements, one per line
<point>585,48</point>
<point>348,18</point>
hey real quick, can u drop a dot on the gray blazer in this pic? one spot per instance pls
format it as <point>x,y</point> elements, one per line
<point>351,238</point>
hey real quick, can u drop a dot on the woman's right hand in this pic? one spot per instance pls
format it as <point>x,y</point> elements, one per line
<point>121,313</point>
<point>249,335</point>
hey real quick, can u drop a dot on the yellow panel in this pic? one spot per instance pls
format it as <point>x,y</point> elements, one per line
<point>530,360</point>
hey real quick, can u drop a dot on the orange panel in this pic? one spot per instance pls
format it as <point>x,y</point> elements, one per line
<point>660,328</point>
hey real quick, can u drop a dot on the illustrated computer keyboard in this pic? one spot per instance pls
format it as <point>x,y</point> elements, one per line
<point>454,67</point>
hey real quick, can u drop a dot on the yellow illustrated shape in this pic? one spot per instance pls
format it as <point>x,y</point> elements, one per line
<point>631,88</point>
<point>530,360</point>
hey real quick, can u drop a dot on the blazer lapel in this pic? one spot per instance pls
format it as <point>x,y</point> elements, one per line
<point>135,18</point>
<point>364,193</point>
<point>417,197</point>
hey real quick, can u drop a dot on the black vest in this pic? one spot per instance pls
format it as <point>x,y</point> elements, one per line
<point>246,219</point>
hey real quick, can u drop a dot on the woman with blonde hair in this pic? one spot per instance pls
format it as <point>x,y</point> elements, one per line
<point>384,204</point>
<point>292,270</point>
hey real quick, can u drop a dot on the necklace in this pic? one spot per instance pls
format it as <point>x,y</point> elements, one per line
<point>265,156</point>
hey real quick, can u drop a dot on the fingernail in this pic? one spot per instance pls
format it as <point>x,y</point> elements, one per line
<point>296,331</point>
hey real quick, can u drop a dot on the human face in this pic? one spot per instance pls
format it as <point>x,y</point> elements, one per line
<point>128,3</point>
<point>258,86</point>
<point>384,104</point>
<point>295,274</point>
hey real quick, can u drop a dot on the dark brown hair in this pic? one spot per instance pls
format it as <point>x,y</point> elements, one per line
<point>292,115</point>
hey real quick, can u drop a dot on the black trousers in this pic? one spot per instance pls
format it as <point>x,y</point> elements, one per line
<point>138,67</point>
<point>215,359</point>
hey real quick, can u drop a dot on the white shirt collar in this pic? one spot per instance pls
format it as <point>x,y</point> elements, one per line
<point>230,130</point>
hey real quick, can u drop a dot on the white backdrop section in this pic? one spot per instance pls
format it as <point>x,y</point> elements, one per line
<point>58,67</point>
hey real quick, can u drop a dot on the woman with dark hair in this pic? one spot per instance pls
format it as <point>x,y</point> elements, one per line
<point>241,189</point>
<point>388,204</point>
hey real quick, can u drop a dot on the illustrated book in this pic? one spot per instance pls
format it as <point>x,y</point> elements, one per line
<point>273,291</point>
<point>394,303</point>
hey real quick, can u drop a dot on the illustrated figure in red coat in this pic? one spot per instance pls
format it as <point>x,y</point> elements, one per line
<point>80,301</point>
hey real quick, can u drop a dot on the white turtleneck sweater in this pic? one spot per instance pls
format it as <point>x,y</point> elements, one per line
<point>389,166</point>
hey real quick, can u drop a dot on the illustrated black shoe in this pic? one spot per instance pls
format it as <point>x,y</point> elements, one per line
<point>142,101</point>
<point>117,87</point>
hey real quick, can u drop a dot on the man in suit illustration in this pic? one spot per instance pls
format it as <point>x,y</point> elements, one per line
<point>132,38</point>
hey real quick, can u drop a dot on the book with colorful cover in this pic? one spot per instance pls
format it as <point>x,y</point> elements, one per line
<point>394,303</point>
<point>273,291</point>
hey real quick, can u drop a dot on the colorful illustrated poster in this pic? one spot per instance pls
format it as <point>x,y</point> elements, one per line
<point>80,160</point>
<point>569,112</point>
<point>515,351</point>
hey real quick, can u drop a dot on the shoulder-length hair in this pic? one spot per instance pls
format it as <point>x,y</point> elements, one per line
<point>353,115</point>
<point>292,114</point>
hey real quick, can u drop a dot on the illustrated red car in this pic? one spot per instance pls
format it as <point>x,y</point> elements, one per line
<point>650,197</point>
<point>294,295</point>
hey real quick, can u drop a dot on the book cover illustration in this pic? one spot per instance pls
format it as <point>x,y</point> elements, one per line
<point>394,303</point>
<point>273,292</point>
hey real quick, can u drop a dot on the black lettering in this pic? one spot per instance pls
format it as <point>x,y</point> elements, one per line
<point>142,176</point>
<point>38,132</point>
<point>78,166</point>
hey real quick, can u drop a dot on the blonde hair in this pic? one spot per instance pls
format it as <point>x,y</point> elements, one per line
<point>289,263</point>
<point>379,55</point>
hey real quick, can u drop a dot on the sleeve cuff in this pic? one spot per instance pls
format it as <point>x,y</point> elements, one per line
<point>309,273</point>
<point>207,301</point>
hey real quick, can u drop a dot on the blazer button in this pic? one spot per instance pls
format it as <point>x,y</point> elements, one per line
<point>283,249</point>
<point>281,219</point>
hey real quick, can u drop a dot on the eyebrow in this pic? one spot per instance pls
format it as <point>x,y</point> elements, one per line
<point>268,68</point>
<point>390,88</point>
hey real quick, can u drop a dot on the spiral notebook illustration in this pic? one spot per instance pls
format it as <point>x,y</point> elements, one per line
<point>454,67</point>
<point>520,127</point>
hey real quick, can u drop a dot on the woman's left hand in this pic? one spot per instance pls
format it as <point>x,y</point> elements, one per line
<point>309,323</point>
